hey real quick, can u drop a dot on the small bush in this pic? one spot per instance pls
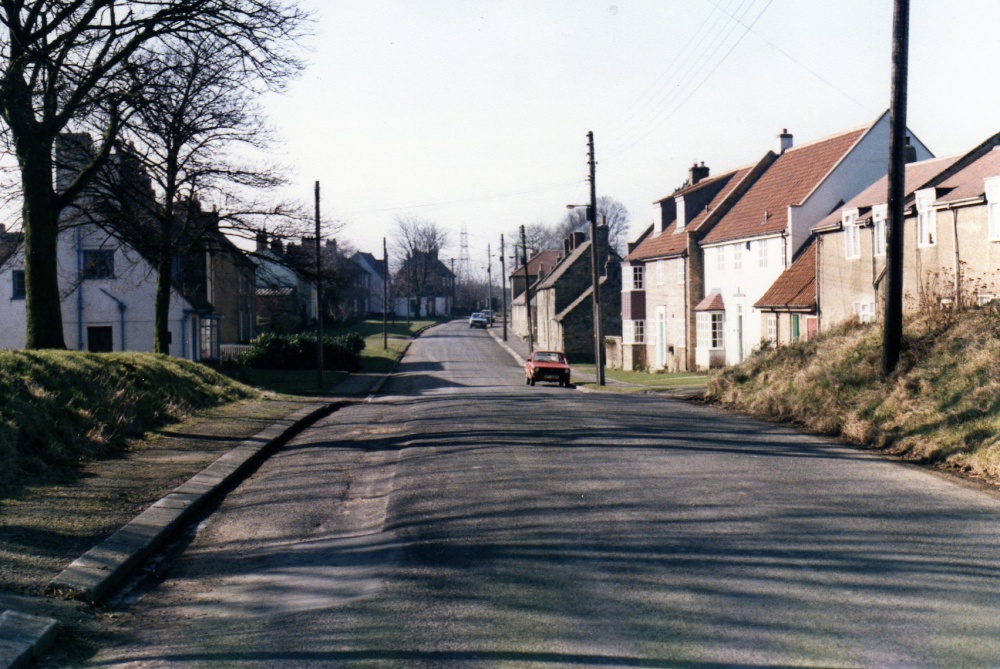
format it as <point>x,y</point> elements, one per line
<point>298,351</point>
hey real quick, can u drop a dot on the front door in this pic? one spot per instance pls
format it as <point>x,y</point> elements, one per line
<point>661,337</point>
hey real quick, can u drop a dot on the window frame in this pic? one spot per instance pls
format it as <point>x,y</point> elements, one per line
<point>19,289</point>
<point>926,218</point>
<point>97,264</point>
<point>710,326</point>
<point>880,219</point>
<point>638,277</point>
<point>852,234</point>
<point>762,254</point>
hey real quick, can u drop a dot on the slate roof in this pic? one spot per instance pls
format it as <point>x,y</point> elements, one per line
<point>968,182</point>
<point>671,242</point>
<point>795,289</point>
<point>546,258</point>
<point>789,181</point>
<point>552,277</point>
<point>918,175</point>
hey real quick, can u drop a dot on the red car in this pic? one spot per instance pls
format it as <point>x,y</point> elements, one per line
<point>546,366</point>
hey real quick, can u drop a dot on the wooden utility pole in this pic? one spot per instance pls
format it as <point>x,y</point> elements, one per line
<point>319,302</point>
<point>527,292</point>
<point>489,281</point>
<point>385,295</point>
<point>503,271</point>
<point>595,268</point>
<point>893,322</point>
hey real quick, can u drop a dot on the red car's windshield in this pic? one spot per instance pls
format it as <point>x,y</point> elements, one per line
<point>548,357</point>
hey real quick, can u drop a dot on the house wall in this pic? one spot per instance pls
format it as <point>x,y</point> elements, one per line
<point>844,282</point>
<point>234,295</point>
<point>95,302</point>
<point>666,314</point>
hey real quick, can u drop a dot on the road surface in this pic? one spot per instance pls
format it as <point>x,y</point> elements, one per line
<point>464,519</point>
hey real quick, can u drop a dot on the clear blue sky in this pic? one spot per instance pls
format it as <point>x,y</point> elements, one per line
<point>475,112</point>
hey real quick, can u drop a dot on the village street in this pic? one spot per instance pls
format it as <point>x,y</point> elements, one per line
<point>462,518</point>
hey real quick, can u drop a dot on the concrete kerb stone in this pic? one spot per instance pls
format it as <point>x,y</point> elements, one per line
<point>514,354</point>
<point>24,638</point>
<point>94,576</point>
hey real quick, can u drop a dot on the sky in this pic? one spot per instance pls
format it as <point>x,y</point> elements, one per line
<point>475,113</point>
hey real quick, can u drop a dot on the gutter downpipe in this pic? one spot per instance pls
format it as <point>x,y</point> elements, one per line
<point>121,314</point>
<point>79,291</point>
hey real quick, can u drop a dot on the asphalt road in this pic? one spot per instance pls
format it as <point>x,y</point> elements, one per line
<point>463,519</point>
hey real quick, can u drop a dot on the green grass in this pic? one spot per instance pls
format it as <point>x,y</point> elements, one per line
<point>58,408</point>
<point>649,381</point>
<point>376,359</point>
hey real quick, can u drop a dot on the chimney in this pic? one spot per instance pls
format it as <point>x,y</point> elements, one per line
<point>577,239</point>
<point>541,271</point>
<point>697,173</point>
<point>277,246</point>
<point>566,248</point>
<point>603,233</point>
<point>784,141</point>
<point>909,152</point>
<point>261,241</point>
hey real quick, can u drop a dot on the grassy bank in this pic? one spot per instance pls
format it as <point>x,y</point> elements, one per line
<point>942,406</point>
<point>58,408</point>
<point>644,382</point>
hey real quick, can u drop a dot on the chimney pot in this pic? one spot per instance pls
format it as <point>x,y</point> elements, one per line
<point>697,173</point>
<point>784,141</point>
<point>909,152</point>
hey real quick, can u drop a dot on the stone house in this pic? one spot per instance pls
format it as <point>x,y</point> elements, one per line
<point>951,240</point>
<point>754,242</point>
<point>286,298</point>
<point>538,267</point>
<point>565,320</point>
<point>367,293</point>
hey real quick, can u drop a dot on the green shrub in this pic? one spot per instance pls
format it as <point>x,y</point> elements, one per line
<point>298,351</point>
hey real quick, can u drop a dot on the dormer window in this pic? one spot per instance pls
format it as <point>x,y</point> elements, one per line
<point>993,208</point>
<point>879,216</point>
<point>926,218</point>
<point>852,235</point>
<point>681,213</point>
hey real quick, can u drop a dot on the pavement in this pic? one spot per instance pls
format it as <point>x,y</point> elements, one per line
<point>94,577</point>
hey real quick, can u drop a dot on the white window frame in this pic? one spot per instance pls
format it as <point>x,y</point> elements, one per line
<point>711,329</point>
<point>772,329</point>
<point>880,217</point>
<point>852,234</point>
<point>865,311</point>
<point>992,185</point>
<point>720,259</point>
<point>926,217</point>
<point>660,272</point>
<point>762,253</point>
<point>633,332</point>
<point>737,257</point>
<point>638,277</point>
<point>681,273</point>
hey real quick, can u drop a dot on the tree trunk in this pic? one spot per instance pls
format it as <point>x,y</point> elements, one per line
<point>41,230</point>
<point>164,262</point>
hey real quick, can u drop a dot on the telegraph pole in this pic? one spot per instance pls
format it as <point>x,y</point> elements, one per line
<point>503,271</point>
<point>385,295</point>
<point>595,269</point>
<point>527,292</point>
<point>319,303</point>
<point>893,323</point>
<point>489,281</point>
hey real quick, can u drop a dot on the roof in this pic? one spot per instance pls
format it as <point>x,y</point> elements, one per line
<point>789,181</point>
<point>795,289</point>
<point>711,303</point>
<point>917,176</point>
<point>968,182</point>
<point>560,269</point>
<point>547,259</point>
<point>671,242</point>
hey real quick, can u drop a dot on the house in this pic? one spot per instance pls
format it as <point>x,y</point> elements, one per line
<point>565,316</point>
<point>755,240</point>
<point>368,285</point>
<point>538,267</point>
<point>108,285</point>
<point>286,297</point>
<point>662,275</point>
<point>789,307</point>
<point>950,239</point>
<point>424,286</point>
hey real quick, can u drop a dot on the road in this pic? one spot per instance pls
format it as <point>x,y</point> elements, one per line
<point>463,519</point>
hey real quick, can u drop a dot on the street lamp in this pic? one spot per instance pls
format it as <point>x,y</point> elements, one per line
<point>595,276</point>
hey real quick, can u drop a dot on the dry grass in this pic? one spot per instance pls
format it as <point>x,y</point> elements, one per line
<point>942,405</point>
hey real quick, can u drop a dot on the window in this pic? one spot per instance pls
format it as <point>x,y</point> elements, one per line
<point>681,274</point>
<point>772,329</point>
<point>210,339</point>
<point>634,332</point>
<point>879,215</point>
<point>852,241</point>
<point>637,277</point>
<point>18,281</point>
<point>926,218</point>
<point>720,258</point>
<point>737,256</point>
<point>993,208</point>
<point>795,327</point>
<point>865,311</point>
<point>99,339</point>
<point>709,325</point>
<point>762,253</point>
<point>98,264</point>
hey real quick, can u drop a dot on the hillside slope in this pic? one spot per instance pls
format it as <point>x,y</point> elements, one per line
<point>942,406</point>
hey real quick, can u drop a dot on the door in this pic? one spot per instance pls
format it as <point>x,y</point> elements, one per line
<point>661,337</point>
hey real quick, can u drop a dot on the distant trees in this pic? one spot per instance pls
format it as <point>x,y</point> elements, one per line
<point>416,246</point>
<point>541,236</point>
<point>65,64</point>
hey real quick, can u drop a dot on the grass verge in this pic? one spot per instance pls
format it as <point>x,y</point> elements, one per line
<point>941,406</point>
<point>646,381</point>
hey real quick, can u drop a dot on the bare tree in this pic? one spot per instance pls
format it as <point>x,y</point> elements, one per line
<point>417,244</point>
<point>609,211</point>
<point>63,61</point>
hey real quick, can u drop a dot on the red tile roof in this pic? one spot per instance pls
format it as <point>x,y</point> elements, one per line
<point>792,177</point>
<point>546,258</point>
<point>796,287</point>
<point>671,242</point>
<point>711,303</point>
